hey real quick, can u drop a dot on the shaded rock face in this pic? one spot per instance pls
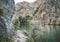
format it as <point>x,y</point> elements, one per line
<point>8,7</point>
<point>3,29</point>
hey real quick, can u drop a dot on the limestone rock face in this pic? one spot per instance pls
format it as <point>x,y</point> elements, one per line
<point>8,7</point>
<point>48,12</point>
<point>25,8</point>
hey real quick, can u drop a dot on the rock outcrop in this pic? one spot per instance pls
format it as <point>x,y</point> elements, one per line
<point>20,36</point>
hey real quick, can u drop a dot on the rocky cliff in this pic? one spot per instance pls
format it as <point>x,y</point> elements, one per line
<point>47,12</point>
<point>25,8</point>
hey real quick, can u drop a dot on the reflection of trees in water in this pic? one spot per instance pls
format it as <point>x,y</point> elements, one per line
<point>57,33</point>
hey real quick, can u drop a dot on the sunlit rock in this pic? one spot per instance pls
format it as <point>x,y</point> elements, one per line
<point>20,36</point>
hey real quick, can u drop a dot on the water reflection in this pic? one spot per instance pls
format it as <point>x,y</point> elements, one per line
<point>47,33</point>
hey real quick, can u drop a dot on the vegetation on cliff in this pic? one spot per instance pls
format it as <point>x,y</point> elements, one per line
<point>1,12</point>
<point>4,39</point>
<point>22,23</point>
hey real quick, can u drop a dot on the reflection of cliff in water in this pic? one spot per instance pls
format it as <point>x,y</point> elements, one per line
<point>54,33</point>
<point>47,33</point>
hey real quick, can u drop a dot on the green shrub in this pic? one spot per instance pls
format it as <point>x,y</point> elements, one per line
<point>30,39</point>
<point>22,23</point>
<point>4,39</point>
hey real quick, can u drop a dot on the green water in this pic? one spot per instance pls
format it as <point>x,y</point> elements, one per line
<point>47,33</point>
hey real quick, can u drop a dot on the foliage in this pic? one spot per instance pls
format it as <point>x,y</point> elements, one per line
<point>37,9</point>
<point>30,39</point>
<point>29,18</point>
<point>22,23</point>
<point>1,12</point>
<point>4,39</point>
